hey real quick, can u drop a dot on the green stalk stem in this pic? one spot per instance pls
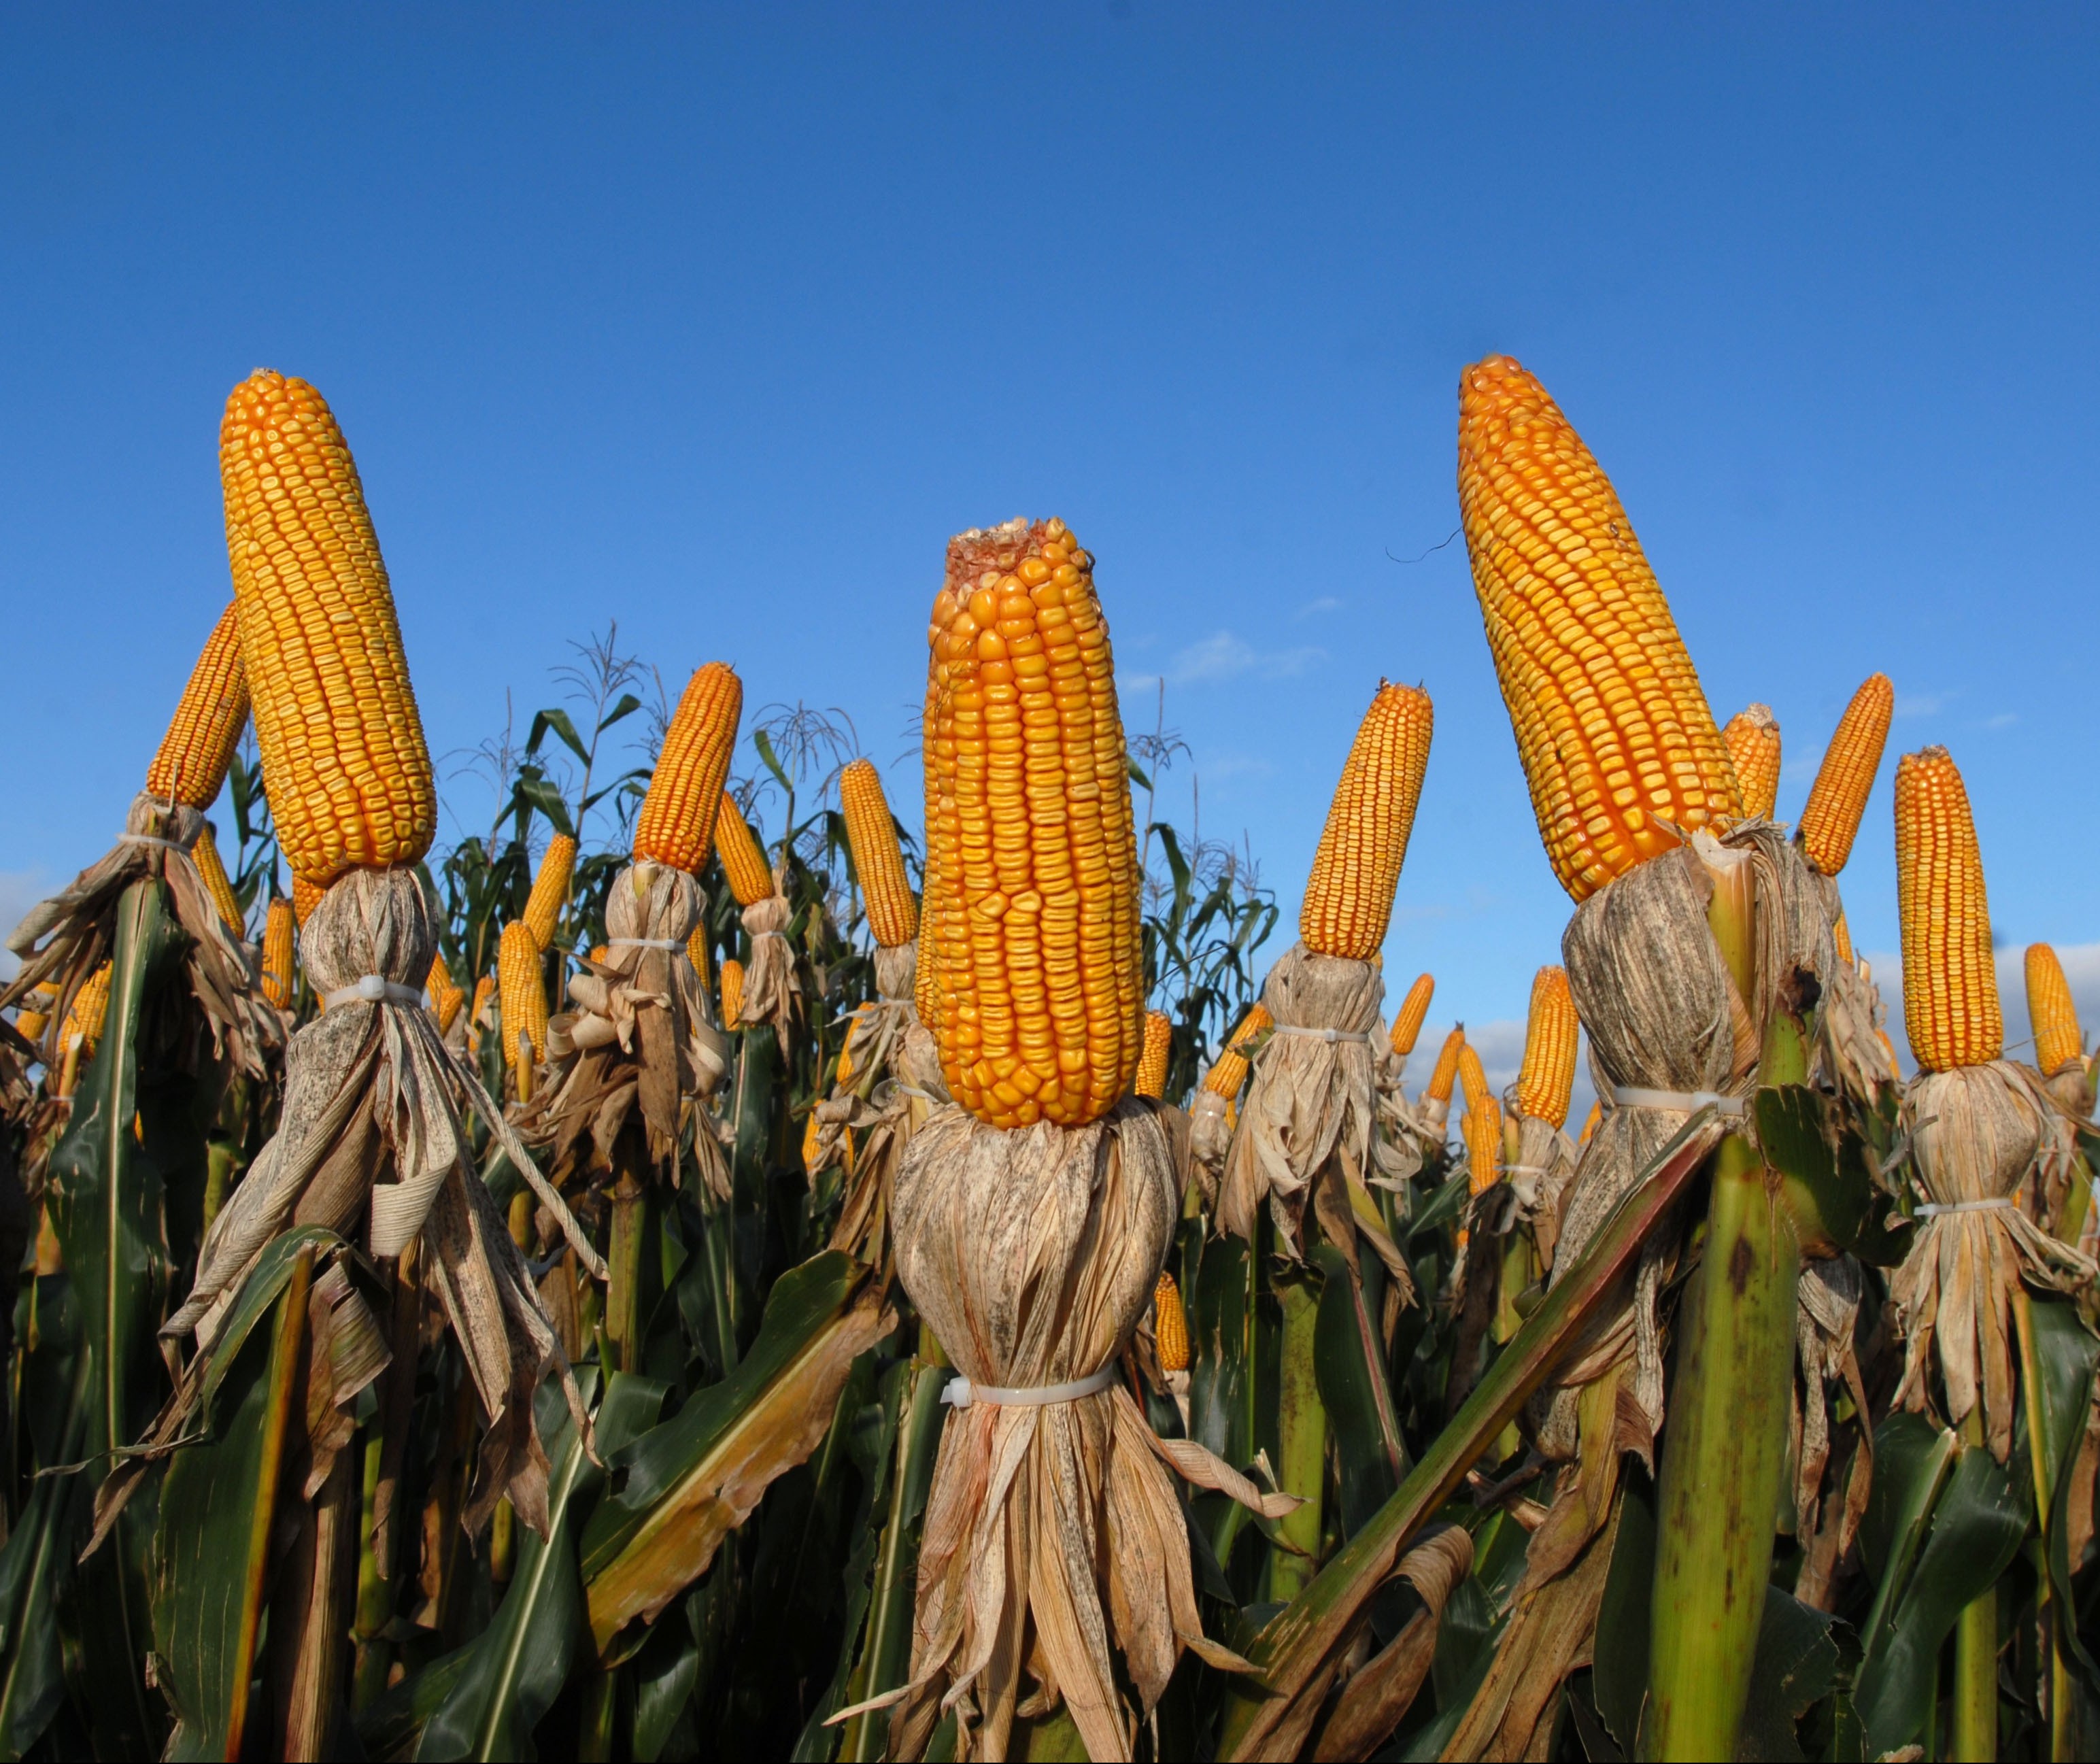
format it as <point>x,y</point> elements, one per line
<point>1973,1737</point>
<point>374,1604</point>
<point>623,1306</point>
<point>1302,1440</point>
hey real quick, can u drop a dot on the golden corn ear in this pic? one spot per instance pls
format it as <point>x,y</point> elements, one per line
<point>217,882</point>
<point>845,1067</point>
<point>1841,934</point>
<point>2051,1011</point>
<point>1472,1077</point>
<point>696,951</point>
<point>1348,901</point>
<point>523,993</point>
<point>439,981</point>
<point>1446,1070</point>
<point>1170,1326</point>
<point>1407,1022</point>
<point>305,897</point>
<point>1950,984</point>
<point>1614,730</point>
<point>550,890</point>
<point>484,988</point>
<point>1032,893</point>
<point>732,993</point>
<point>892,916</point>
<point>1151,1080</point>
<point>446,1008</point>
<point>1547,1079</point>
<point>809,1143</point>
<point>1838,799</point>
<point>343,757</point>
<point>90,1007</point>
<point>1484,1143</point>
<point>744,862</point>
<point>677,817</point>
<point>1753,739</point>
<point>35,1015</point>
<point>198,747</point>
<point>1590,1122</point>
<point>1230,1071</point>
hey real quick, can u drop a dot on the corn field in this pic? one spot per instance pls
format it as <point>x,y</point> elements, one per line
<point>725,1262</point>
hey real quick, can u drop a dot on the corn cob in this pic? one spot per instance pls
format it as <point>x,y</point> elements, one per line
<point>217,882</point>
<point>343,755</point>
<point>1547,1076</point>
<point>1753,739</point>
<point>1151,1080</point>
<point>439,981</point>
<point>677,818</point>
<point>277,950</point>
<point>744,862</point>
<point>90,1007</point>
<point>696,951</point>
<point>484,988</point>
<point>892,916</point>
<point>1032,871</point>
<point>446,1008</point>
<point>523,1001</point>
<point>1483,1143</point>
<point>1407,1021</point>
<point>732,992</point>
<point>1472,1077</point>
<point>1843,780</point>
<point>1950,983</point>
<point>198,747</point>
<point>1614,732</point>
<point>1590,1122</point>
<point>1840,933</point>
<point>809,1145</point>
<point>2051,1011</point>
<point>35,1015</point>
<point>1230,1071</point>
<point>1446,1069</point>
<point>1170,1325</point>
<point>1348,901</point>
<point>550,890</point>
<point>305,897</point>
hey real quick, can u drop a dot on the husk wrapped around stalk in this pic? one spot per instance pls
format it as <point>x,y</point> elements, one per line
<point>640,1037</point>
<point>372,1144</point>
<point>1054,1539</point>
<point>1539,1180</point>
<point>1852,1057</point>
<point>1306,1131</point>
<point>67,937</point>
<point>772,989</point>
<point>1977,1133</point>
<point>1826,1361</point>
<point>1406,1138</point>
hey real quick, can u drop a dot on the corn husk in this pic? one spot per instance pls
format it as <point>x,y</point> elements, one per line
<point>1540,1179</point>
<point>1826,1363</point>
<point>1053,1540</point>
<point>1406,1138</point>
<point>772,989</point>
<point>1977,1133</point>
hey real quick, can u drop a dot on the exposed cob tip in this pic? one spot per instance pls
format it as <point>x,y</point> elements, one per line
<point>1472,1076</point>
<point>1348,901</point>
<point>1546,1080</point>
<point>677,817</point>
<point>743,859</point>
<point>1170,1325</point>
<point>305,897</point>
<point>523,998</point>
<point>1830,821</point>
<point>1950,983</point>
<point>1483,1143</point>
<point>1230,1071</point>
<point>343,757</point>
<point>1414,1010</point>
<point>35,1015</point>
<point>1752,737</point>
<point>1618,744</point>
<point>278,977</point>
<point>550,890</point>
<point>198,749</point>
<point>732,994</point>
<point>1445,1072</point>
<point>2051,1012</point>
<point>90,1009</point>
<point>1841,934</point>
<point>893,914</point>
<point>217,882</point>
<point>1031,897</point>
<point>1151,1079</point>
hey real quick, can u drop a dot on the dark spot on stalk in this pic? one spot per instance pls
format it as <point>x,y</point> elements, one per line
<point>1799,992</point>
<point>1741,1259</point>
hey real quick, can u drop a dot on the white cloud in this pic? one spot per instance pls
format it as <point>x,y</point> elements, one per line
<point>2003,720</point>
<point>1325,603</point>
<point>2081,967</point>
<point>1922,703</point>
<point>1223,655</point>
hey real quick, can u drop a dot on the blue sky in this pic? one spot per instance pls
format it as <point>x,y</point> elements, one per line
<point>720,322</point>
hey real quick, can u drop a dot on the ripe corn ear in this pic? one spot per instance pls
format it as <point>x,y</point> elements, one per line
<point>677,817</point>
<point>278,975</point>
<point>1445,1072</point>
<point>1170,1325</point>
<point>1846,778</point>
<point>1472,1077</point>
<point>1547,1079</point>
<point>198,747</point>
<point>750,876</point>
<point>1151,1080</point>
<point>1407,1021</point>
<point>35,1015</point>
<point>1615,734</point>
<point>1951,1007</point>
<point>343,757</point>
<point>2051,1011</point>
<point>892,916</point>
<point>1032,873</point>
<point>1753,739</point>
<point>1230,1072</point>
<point>1842,935</point>
<point>1484,1143</point>
<point>732,993</point>
<point>1348,901</point>
<point>91,1006</point>
<point>1590,1122</point>
<point>550,890</point>
<point>523,1000</point>
<point>696,951</point>
<point>217,883</point>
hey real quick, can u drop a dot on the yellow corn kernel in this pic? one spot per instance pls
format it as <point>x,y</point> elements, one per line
<point>1446,1070</point>
<point>1414,1009</point>
<point>1846,778</point>
<point>91,1009</point>
<point>1842,935</point>
<point>743,859</point>
<point>1472,1077</point>
<point>198,747</point>
<point>217,882</point>
<point>1950,983</point>
<point>732,993</point>
<point>676,822</point>
<point>484,990</point>
<point>305,897</point>
<point>550,890</point>
<point>34,1015</point>
<point>892,916</point>
<point>1483,1143</point>
<point>1032,896</point>
<point>1590,1122</point>
<point>1170,1326</point>
<point>1151,1080</point>
<point>1615,734</point>
<point>343,757</point>
<point>522,993</point>
<point>2051,1011</point>
<point>1230,1071</point>
<point>1547,1079</point>
<point>1753,739</point>
<point>1348,901</point>
<point>439,981</point>
<point>696,951</point>
<point>809,1145</point>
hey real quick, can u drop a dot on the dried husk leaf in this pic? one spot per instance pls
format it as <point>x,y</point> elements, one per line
<point>1407,1137</point>
<point>1540,1178</point>
<point>772,990</point>
<point>1378,1696</point>
<point>864,1126</point>
<point>1826,1363</point>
